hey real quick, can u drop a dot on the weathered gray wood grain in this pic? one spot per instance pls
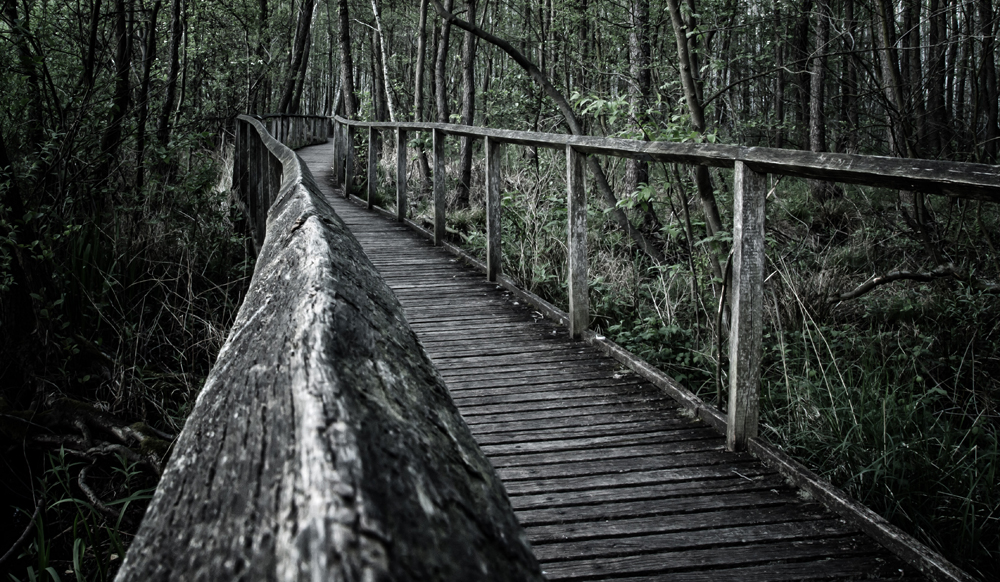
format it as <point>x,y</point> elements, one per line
<point>493,247</point>
<point>324,445</point>
<point>401,203</point>
<point>747,306</point>
<point>576,250</point>
<point>956,179</point>
<point>439,188</point>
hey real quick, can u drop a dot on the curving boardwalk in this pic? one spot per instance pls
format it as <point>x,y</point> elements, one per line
<point>610,480</point>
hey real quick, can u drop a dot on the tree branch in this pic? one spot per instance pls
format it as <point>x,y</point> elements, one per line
<point>571,122</point>
<point>877,281</point>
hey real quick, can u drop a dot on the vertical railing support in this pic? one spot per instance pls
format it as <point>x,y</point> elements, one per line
<point>493,256</point>
<point>401,203</point>
<point>371,178</point>
<point>336,154</point>
<point>348,160</point>
<point>439,184</point>
<point>747,305</point>
<point>579,300</point>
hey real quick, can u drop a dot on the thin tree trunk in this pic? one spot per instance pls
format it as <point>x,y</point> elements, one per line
<point>990,93</point>
<point>170,89</point>
<point>571,122</point>
<point>299,51</point>
<point>390,103</point>
<point>468,107</point>
<point>418,88</point>
<point>149,57</point>
<point>88,61</point>
<point>26,61</point>
<point>849,83</point>
<point>936,112</point>
<point>817,119</point>
<point>300,81</point>
<point>111,140</point>
<point>350,98</point>
<point>800,54</point>
<point>703,181</point>
<point>637,171</point>
<point>440,68</point>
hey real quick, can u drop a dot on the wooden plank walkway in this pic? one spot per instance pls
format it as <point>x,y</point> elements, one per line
<point>609,479</point>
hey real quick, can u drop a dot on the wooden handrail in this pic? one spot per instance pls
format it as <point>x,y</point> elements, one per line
<point>751,165</point>
<point>324,445</point>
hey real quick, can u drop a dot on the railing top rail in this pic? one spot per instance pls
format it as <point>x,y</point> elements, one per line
<point>955,179</point>
<point>296,115</point>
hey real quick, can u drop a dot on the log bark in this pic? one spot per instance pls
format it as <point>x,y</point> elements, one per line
<point>324,444</point>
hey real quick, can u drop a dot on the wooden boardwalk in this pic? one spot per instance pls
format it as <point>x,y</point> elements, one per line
<point>609,478</point>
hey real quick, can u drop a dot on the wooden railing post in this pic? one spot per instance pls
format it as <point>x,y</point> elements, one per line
<point>439,185</point>
<point>371,178</point>
<point>336,154</point>
<point>348,160</point>
<point>747,305</point>
<point>493,254</point>
<point>401,203</point>
<point>579,300</point>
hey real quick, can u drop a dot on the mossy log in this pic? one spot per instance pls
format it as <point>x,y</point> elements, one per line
<point>324,444</point>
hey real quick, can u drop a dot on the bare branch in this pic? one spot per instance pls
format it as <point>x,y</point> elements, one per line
<point>877,281</point>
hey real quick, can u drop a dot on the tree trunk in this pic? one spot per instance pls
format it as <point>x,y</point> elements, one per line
<point>111,140</point>
<point>347,63</point>
<point>149,57</point>
<point>899,127</point>
<point>817,119</point>
<point>300,82</point>
<point>990,93</point>
<point>89,60</point>
<point>26,61</point>
<point>800,57</point>
<point>418,88</point>
<point>384,60</point>
<point>703,181</point>
<point>170,89</point>
<point>468,107</point>
<point>300,52</point>
<point>849,84</point>
<point>637,171</point>
<point>441,69</point>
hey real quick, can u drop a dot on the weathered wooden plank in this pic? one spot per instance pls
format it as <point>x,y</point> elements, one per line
<point>485,436</point>
<point>675,491</point>
<point>629,516</point>
<point>470,412</point>
<point>701,453</point>
<point>868,568</point>
<point>956,179</point>
<point>674,442</point>
<point>660,563</point>
<point>496,453</point>
<point>723,536</point>
<point>747,306</point>
<point>614,481</point>
<point>576,249</point>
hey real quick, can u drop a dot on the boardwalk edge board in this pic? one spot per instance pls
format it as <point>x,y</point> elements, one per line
<point>324,444</point>
<point>904,546</point>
